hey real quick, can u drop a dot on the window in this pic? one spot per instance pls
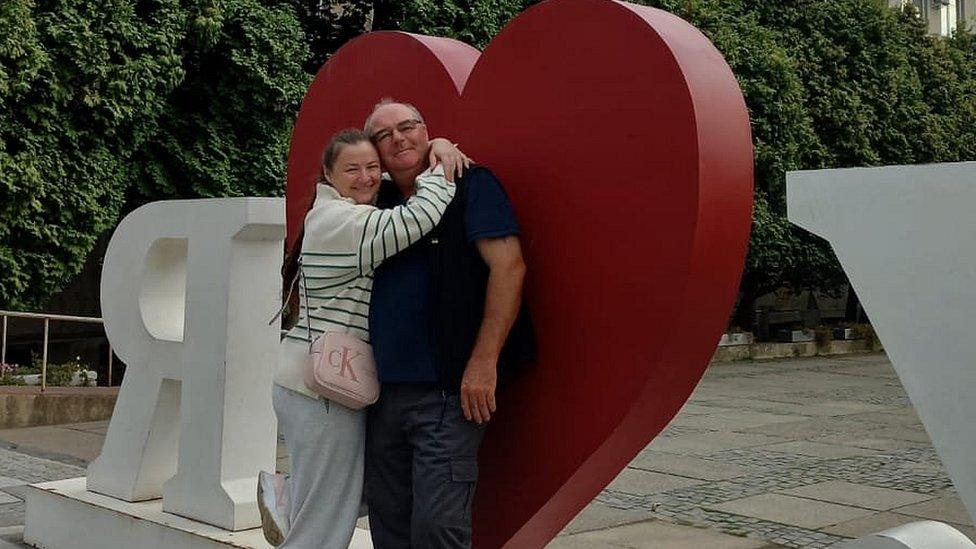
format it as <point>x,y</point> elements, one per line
<point>961,14</point>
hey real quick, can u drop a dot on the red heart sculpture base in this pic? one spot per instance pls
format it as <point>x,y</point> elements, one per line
<point>623,140</point>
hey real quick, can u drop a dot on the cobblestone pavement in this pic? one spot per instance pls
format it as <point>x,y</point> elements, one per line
<point>795,453</point>
<point>800,453</point>
<point>18,469</point>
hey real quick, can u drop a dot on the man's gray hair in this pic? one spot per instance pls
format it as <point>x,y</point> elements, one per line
<point>368,126</point>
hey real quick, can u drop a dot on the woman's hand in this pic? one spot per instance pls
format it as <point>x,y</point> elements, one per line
<point>443,152</point>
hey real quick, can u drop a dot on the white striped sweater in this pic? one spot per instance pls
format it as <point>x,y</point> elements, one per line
<point>344,243</point>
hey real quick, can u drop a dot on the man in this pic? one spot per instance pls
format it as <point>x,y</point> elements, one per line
<point>440,316</point>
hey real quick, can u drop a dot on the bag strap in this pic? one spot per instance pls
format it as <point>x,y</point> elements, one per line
<point>299,273</point>
<point>294,257</point>
<point>291,289</point>
<point>308,316</point>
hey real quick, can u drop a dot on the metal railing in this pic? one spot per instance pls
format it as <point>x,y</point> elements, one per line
<point>47,318</point>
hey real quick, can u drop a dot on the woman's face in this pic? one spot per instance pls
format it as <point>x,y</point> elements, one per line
<point>356,172</point>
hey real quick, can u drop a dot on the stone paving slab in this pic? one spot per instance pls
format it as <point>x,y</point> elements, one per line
<point>819,449</point>
<point>656,534</point>
<point>736,420</point>
<point>867,442</point>
<point>818,427</point>
<point>848,493</point>
<point>601,517</point>
<point>695,409</point>
<point>27,469</point>
<point>19,491</point>
<point>868,525</point>
<point>779,535</point>
<point>886,396</point>
<point>707,443</point>
<point>739,391</point>
<point>802,512</point>
<point>11,514</point>
<point>688,466</point>
<point>56,439</point>
<point>900,416</point>
<point>636,481</point>
<point>902,432</point>
<point>945,508</point>
<point>824,379</point>
<point>872,370</point>
<point>30,469</point>
<point>99,427</point>
<point>821,409</point>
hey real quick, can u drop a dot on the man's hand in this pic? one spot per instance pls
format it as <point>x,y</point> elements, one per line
<point>478,389</point>
<point>444,152</point>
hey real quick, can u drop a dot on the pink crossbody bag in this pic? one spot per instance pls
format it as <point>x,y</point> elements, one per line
<point>339,366</point>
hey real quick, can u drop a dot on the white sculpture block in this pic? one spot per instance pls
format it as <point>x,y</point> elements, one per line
<point>63,515</point>
<point>926,534</point>
<point>188,288</point>
<point>906,237</point>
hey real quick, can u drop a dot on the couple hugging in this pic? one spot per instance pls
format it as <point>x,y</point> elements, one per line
<point>427,268</point>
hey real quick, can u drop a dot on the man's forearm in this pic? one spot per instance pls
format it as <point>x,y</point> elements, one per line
<point>502,300</point>
<point>503,296</point>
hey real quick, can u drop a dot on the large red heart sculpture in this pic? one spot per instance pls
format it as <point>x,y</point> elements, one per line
<point>623,140</point>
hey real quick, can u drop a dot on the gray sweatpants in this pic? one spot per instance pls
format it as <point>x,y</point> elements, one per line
<point>325,445</point>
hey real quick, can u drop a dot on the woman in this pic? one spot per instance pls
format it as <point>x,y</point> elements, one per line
<point>345,238</point>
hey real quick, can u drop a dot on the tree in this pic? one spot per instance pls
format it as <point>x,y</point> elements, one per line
<point>948,76</point>
<point>879,91</point>
<point>108,104</point>
<point>67,120</point>
<point>784,139</point>
<point>225,129</point>
<point>329,25</point>
<point>828,85</point>
<point>473,21</point>
<point>111,103</point>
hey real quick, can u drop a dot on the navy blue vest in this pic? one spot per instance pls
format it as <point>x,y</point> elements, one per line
<point>459,278</point>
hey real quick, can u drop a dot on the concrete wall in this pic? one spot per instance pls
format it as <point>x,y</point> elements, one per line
<point>28,407</point>
<point>969,14</point>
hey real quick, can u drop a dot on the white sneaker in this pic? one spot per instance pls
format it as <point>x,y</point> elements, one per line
<point>273,505</point>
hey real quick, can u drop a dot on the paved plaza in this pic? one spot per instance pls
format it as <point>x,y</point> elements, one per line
<point>793,453</point>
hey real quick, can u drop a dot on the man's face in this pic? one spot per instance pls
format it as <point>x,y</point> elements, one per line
<point>400,138</point>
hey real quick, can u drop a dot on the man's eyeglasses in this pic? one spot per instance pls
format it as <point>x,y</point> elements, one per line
<point>404,127</point>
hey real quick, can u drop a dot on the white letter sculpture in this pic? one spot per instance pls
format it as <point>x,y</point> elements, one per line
<point>188,288</point>
<point>906,237</point>
<point>925,534</point>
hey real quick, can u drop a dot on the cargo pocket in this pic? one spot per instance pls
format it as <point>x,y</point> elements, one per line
<point>464,470</point>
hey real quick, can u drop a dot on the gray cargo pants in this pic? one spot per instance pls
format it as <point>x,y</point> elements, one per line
<point>421,468</point>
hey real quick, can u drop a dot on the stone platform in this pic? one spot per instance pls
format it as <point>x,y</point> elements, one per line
<point>86,520</point>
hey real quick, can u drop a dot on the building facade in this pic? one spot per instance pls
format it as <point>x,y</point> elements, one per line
<point>943,16</point>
